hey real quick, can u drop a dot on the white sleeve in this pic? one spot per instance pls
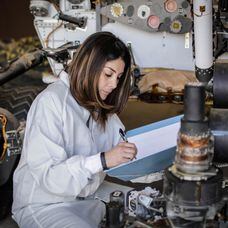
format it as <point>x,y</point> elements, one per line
<point>46,157</point>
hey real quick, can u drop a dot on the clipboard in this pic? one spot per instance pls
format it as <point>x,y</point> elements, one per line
<point>156,144</point>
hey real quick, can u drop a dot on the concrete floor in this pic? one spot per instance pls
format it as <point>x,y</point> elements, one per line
<point>136,114</point>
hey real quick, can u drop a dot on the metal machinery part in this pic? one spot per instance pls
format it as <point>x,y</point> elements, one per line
<point>220,91</point>
<point>21,65</point>
<point>218,118</point>
<point>149,27</point>
<point>195,140</point>
<point>224,5</point>
<point>75,1</point>
<point>75,4</point>
<point>203,37</point>
<point>68,21</point>
<point>39,7</point>
<point>146,203</point>
<point>221,30</point>
<point>29,60</point>
<point>10,143</point>
<point>152,16</point>
<point>192,186</point>
<point>219,126</point>
<point>115,210</point>
<point>168,24</point>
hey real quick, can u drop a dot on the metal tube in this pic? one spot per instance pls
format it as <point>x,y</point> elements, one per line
<point>203,36</point>
<point>23,64</point>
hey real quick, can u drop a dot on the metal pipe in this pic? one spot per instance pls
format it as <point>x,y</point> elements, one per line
<point>203,36</point>
<point>21,65</point>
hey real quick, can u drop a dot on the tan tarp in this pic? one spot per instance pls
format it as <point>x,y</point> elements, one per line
<point>165,80</point>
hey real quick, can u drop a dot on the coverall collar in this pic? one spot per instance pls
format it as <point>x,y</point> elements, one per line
<point>65,78</point>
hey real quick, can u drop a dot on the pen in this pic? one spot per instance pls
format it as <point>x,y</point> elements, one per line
<point>124,137</point>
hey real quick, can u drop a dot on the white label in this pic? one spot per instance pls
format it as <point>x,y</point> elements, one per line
<point>186,40</point>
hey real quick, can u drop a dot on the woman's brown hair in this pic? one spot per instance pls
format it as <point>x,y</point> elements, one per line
<point>86,68</point>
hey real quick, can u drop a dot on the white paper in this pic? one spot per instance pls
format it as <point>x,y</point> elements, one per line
<point>157,140</point>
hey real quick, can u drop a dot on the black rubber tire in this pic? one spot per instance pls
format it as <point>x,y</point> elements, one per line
<point>19,99</point>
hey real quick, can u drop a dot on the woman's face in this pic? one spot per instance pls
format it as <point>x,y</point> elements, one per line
<point>110,76</point>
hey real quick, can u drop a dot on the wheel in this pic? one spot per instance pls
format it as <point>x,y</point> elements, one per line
<point>18,100</point>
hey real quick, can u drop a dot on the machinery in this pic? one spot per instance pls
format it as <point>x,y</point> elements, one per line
<point>195,192</point>
<point>192,185</point>
<point>154,29</point>
<point>174,34</point>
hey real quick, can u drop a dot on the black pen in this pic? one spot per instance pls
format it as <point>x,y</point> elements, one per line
<point>124,137</point>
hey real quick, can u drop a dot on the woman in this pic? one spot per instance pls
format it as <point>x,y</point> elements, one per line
<point>72,136</point>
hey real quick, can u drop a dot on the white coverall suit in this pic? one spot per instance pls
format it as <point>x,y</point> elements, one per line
<point>60,163</point>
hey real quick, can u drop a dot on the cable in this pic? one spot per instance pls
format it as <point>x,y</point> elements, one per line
<point>48,36</point>
<point>4,121</point>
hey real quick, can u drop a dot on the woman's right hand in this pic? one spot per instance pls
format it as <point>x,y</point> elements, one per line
<point>123,152</point>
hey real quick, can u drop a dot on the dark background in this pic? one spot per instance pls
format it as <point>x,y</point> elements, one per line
<point>16,21</point>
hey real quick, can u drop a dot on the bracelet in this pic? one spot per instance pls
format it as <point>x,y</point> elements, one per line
<point>103,161</point>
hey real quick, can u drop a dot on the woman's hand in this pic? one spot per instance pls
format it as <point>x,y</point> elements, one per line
<point>123,152</point>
